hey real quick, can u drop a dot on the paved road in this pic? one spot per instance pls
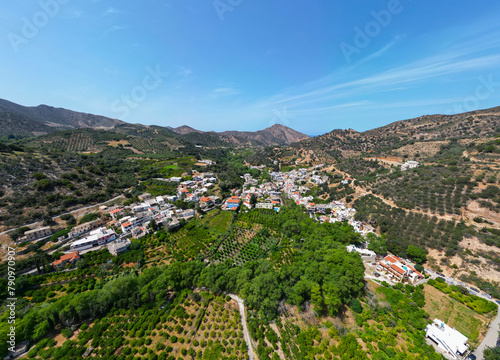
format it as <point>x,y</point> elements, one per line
<point>490,339</point>
<point>71,212</point>
<point>246,334</point>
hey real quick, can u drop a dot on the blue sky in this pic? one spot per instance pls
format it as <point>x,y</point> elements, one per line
<point>313,65</point>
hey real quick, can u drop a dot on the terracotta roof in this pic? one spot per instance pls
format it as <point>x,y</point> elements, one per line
<point>392,259</point>
<point>126,224</point>
<point>205,199</point>
<point>68,257</point>
<point>233,200</point>
<point>397,269</point>
<point>116,210</point>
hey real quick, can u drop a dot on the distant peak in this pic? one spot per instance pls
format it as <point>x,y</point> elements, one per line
<point>184,129</point>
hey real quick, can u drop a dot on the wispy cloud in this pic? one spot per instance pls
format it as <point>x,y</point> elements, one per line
<point>111,11</point>
<point>380,52</point>
<point>224,91</point>
<point>117,27</point>
<point>328,88</point>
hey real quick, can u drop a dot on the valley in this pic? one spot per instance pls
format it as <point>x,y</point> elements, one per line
<point>210,226</point>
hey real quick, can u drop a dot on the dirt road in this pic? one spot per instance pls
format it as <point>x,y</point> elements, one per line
<point>246,334</point>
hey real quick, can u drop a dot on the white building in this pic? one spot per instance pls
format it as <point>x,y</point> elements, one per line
<point>264,206</point>
<point>141,207</point>
<point>208,162</point>
<point>160,201</point>
<point>362,252</point>
<point>447,339</point>
<point>119,246</point>
<point>99,236</point>
<point>410,164</point>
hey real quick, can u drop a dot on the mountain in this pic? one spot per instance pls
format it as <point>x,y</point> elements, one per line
<point>21,120</point>
<point>275,135</point>
<point>427,129</point>
<point>184,130</point>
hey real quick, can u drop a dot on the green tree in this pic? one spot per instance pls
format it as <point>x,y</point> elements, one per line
<point>492,353</point>
<point>417,254</point>
<point>153,225</point>
<point>253,200</point>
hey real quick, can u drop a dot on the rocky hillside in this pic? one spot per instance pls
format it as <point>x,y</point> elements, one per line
<point>479,124</point>
<point>274,135</point>
<point>184,130</point>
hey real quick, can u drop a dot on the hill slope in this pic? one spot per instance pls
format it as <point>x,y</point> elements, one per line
<point>274,135</point>
<point>45,119</point>
<point>22,121</point>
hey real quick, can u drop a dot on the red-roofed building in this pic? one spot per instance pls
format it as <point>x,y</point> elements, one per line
<point>392,259</point>
<point>126,227</point>
<point>399,269</point>
<point>70,258</point>
<point>231,203</point>
<point>114,213</point>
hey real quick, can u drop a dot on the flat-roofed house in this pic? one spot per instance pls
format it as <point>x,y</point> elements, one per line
<point>448,339</point>
<point>119,246</point>
<point>37,233</point>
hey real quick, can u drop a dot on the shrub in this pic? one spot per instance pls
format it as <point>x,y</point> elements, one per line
<point>66,332</point>
<point>356,306</point>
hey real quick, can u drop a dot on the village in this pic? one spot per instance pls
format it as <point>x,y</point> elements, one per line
<point>115,226</point>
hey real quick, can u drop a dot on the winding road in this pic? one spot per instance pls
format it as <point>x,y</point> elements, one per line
<point>490,338</point>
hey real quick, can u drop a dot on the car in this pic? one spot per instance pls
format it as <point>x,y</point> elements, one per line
<point>376,274</point>
<point>439,274</point>
<point>472,357</point>
<point>497,301</point>
<point>474,289</point>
